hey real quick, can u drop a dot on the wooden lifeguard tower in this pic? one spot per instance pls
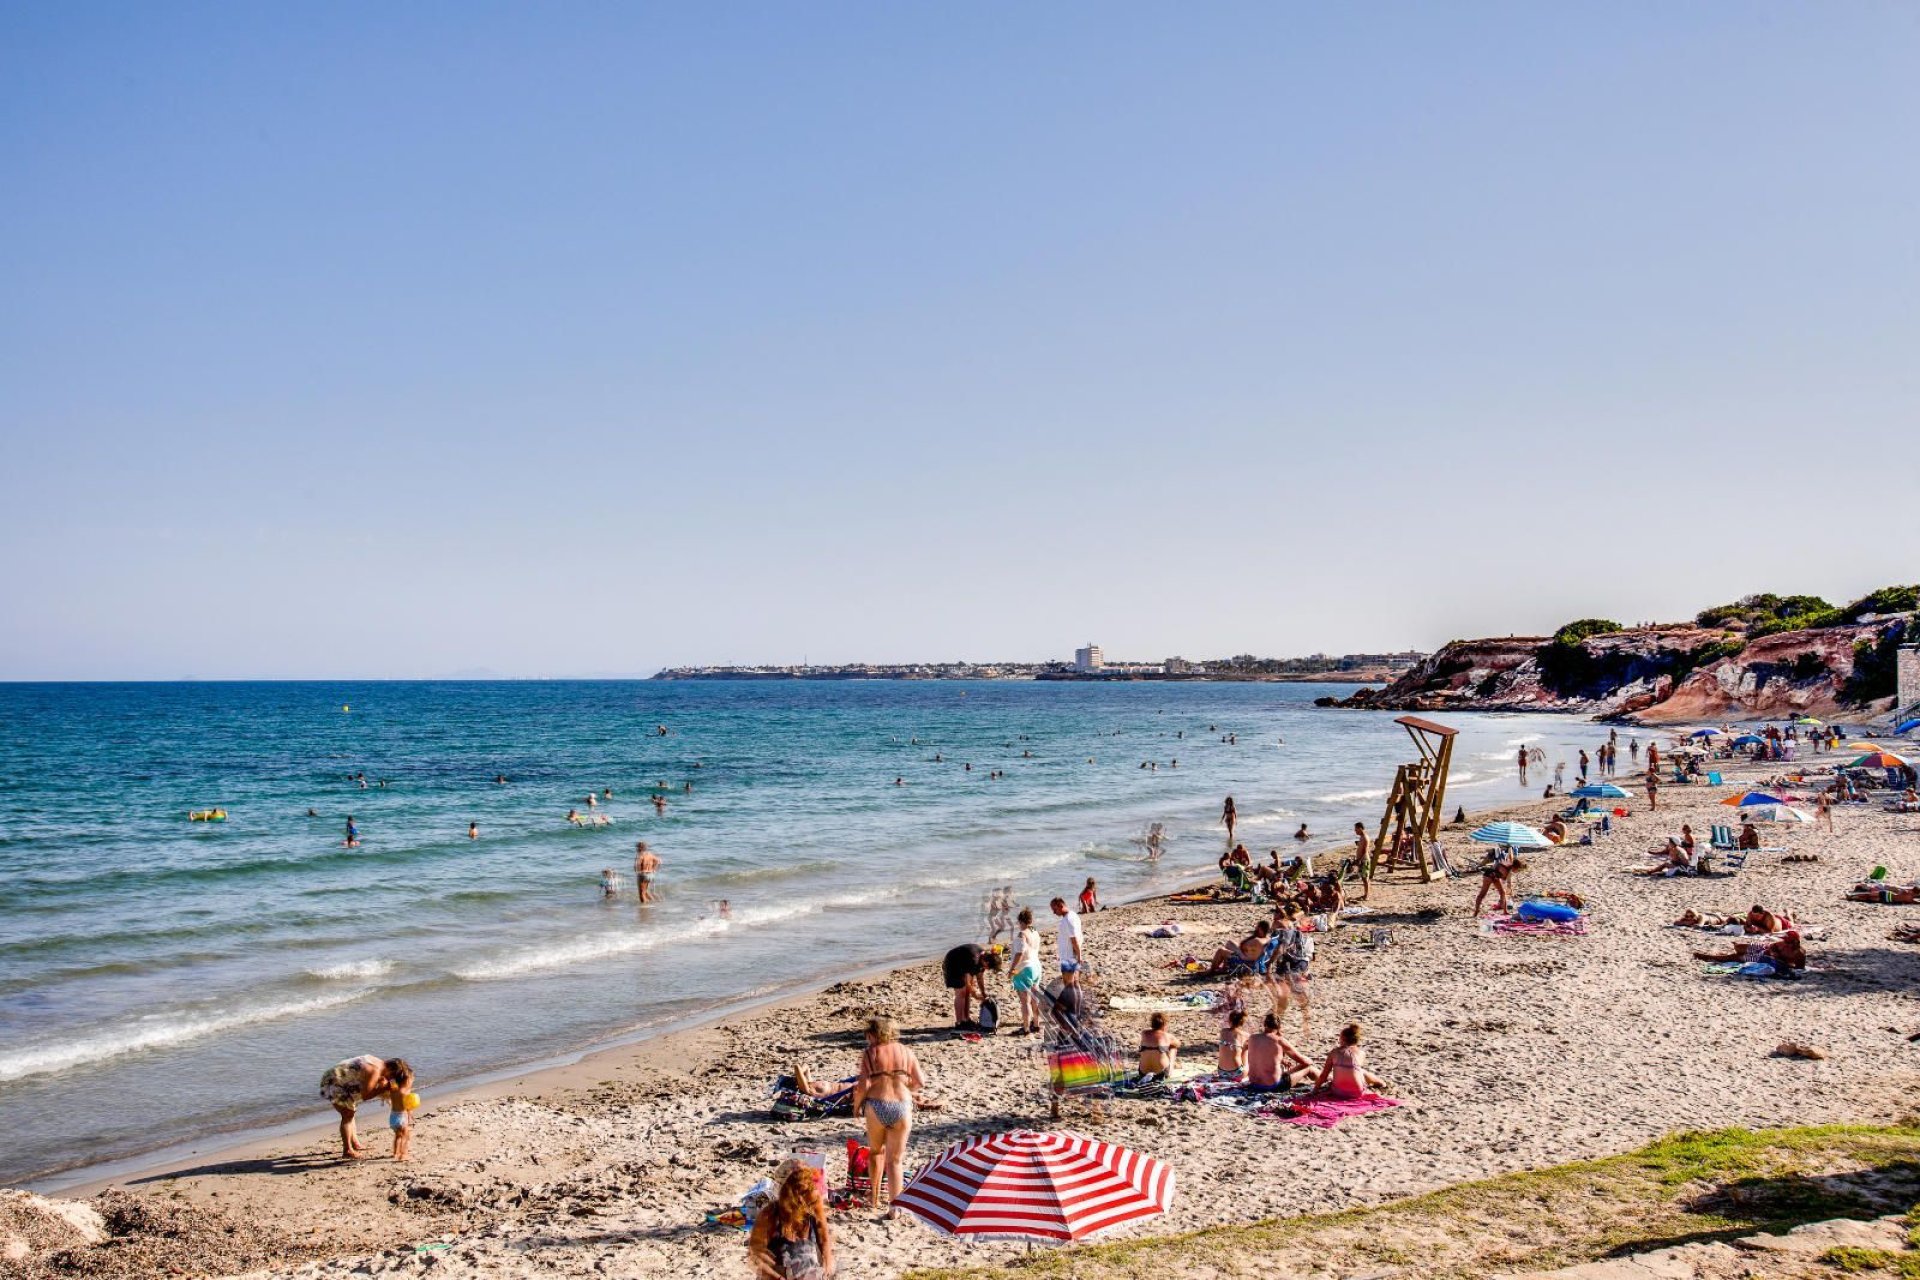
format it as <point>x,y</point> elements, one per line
<point>1410,827</point>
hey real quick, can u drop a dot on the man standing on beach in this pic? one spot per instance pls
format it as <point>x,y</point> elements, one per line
<point>1523,766</point>
<point>1653,788</point>
<point>646,864</point>
<point>1067,930</point>
<point>1365,864</point>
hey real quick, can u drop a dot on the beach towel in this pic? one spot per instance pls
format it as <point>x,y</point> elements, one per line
<point>1326,1112</point>
<point>1747,969</point>
<point>1508,925</point>
<point>1197,1002</point>
<point>1358,911</point>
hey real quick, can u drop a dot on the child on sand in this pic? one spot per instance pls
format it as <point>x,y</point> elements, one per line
<point>400,1118</point>
<point>1089,897</point>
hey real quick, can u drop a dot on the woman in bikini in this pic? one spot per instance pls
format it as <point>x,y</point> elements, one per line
<point>791,1239</point>
<point>1158,1049</point>
<point>1233,1046</point>
<point>1345,1074</point>
<point>883,1095</point>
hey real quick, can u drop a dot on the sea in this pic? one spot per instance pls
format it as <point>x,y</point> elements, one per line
<point>162,978</point>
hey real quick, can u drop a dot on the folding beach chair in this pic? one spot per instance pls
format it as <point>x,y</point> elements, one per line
<point>1723,838</point>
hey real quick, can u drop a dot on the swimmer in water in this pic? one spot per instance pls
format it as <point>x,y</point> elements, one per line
<point>725,909</point>
<point>573,816</point>
<point>312,814</point>
<point>353,834</point>
<point>1301,834</point>
<point>899,782</point>
<point>473,831</point>
<point>659,804</point>
<point>607,887</point>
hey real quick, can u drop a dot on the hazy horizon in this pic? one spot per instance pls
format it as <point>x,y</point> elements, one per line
<point>364,342</point>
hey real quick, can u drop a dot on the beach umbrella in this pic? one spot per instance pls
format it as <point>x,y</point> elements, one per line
<point>1704,733</point>
<point>1907,725</point>
<point>1026,1185</point>
<point>1878,760</point>
<point>1776,813</point>
<point>1746,798</point>
<point>1809,720</point>
<point>1599,791</point>
<point>1749,740</point>
<point>1517,834</point>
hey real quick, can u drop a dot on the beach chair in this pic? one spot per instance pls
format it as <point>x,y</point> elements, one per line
<point>1713,780</point>
<point>1723,838</point>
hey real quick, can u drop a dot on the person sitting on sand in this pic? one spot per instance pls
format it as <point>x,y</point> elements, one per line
<point>1242,958</point>
<point>1233,1045</point>
<point>884,1090</point>
<point>1785,953</point>
<point>1344,1074</point>
<point>1271,1061</point>
<point>1749,836</point>
<point>1674,861</point>
<point>1158,1049</point>
<point>348,1084</point>
<point>791,1238</point>
<point>1759,920</point>
<point>1089,897</point>
<point>1555,830</point>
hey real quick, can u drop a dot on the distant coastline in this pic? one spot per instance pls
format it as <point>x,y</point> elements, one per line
<point>1350,668</point>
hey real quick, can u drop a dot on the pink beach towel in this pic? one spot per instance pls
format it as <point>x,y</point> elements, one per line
<point>1326,1112</point>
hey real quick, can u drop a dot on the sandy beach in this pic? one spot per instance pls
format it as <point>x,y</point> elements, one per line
<point>1509,1052</point>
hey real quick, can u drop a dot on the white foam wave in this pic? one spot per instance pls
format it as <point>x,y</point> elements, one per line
<point>155,1031</point>
<point>599,946</point>
<point>352,969</point>
<point>1342,797</point>
<point>1266,817</point>
<point>1524,739</point>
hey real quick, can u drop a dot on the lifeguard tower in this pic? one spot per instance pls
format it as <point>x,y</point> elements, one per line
<point>1410,828</point>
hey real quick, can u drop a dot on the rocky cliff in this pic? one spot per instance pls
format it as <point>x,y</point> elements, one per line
<point>1648,674</point>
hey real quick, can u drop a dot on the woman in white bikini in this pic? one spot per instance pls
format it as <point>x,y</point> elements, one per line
<point>883,1095</point>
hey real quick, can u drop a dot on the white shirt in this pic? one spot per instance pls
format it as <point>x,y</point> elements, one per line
<point>1026,950</point>
<point>1068,927</point>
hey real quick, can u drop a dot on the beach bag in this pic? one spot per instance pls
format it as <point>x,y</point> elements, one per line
<point>989,1015</point>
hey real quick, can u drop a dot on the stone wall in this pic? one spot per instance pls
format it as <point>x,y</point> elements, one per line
<point>1908,668</point>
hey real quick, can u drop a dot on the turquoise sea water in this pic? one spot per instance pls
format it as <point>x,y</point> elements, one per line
<point>160,976</point>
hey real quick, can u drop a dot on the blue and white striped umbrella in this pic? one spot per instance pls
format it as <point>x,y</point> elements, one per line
<point>1599,791</point>
<point>1517,834</point>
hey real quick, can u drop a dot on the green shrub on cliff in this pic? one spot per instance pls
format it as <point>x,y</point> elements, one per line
<point>1765,609</point>
<point>1882,602</point>
<point>1574,632</point>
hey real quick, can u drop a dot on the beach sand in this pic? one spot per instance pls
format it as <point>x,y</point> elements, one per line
<point>1510,1053</point>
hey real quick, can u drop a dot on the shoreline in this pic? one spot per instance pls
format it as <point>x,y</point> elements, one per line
<point>1510,1053</point>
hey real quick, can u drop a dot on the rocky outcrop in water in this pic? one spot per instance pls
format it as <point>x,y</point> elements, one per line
<point>1650,674</point>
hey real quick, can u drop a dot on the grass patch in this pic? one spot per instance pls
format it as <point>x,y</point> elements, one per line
<point>1687,1187</point>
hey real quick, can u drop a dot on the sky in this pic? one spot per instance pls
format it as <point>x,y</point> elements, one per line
<point>363,340</point>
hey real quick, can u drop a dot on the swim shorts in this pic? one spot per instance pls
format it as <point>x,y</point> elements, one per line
<point>1025,979</point>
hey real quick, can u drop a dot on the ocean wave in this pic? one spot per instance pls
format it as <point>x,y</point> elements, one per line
<point>1524,739</point>
<point>1267,817</point>
<point>155,1031</point>
<point>1344,797</point>
<point>352,969</point>
<point>562,955</point>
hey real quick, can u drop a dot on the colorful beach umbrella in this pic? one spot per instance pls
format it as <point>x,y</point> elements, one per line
<point>1599,791</point>
<point>1026,1185</point>
<point>1746,798</point>
<point>1776,813</point>
<point>1517,834</point>
<point>1878,760</point>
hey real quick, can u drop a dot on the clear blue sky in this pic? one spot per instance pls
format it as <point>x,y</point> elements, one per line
<point>407,339</point>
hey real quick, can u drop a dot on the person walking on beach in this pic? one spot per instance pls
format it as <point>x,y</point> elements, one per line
<point>1067,934</point>
<point>1823,812</point>
<point>1228,816</point>
<point>883,1093</point>
<point>791,1238</point>
<point>1523,766</point>
<point>1585,761</point>
<point>646,865</point>
<point>1653,785</point>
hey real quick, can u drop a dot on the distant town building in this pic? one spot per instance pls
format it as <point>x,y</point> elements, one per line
<point>1088,659</point>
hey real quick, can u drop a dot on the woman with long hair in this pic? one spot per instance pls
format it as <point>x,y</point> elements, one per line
<point>883,1095</point>
<point>791,1239</point>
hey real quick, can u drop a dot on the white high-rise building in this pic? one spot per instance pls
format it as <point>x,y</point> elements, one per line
<point>1088,659</point>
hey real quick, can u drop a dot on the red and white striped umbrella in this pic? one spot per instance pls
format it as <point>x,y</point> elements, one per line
<point>1055,1186</point>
